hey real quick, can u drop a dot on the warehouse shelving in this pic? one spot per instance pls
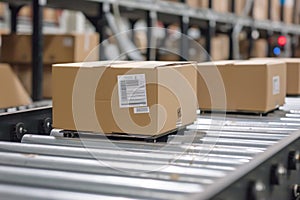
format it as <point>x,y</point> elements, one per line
<point>168,12</point>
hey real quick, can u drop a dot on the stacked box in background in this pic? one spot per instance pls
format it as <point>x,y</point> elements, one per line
<point>220,47</point>
<point>16,50</point>
<point>249,86</point>
<point>260,48</point>
<point>50,15</point>
<point>12,92</point>
<point>145,98</point>
<point>293,76</point>
<point>217,5</point>
<point>260,9</point>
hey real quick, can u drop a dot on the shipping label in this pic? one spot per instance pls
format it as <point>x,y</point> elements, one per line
<point>132,90</point>
<point>276,85</point>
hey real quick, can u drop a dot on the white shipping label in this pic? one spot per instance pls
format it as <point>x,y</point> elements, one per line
<point>276,85</point>
<point>132,90</point>
<point>140,110</point>
<point>68,41</point>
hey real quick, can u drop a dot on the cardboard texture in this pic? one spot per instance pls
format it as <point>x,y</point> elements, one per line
<point>275,8</point>
<point>288,11</point>
<point>13,93</point>
<point>250,86</point>
<point>293,73</point>
<point>24,73</point>
<point>50,15</point>
<point>218,6</point>
<point>239,7</point>
<point>260,9</point>
<point>3,7</point>
<point>293,76</point>
<point>220,47</point>
<point>92,95</point>
<point>57,48</point>
<point>260,48</point>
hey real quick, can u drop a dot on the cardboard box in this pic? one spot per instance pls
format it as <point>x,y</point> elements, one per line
<point>260,9</point>
<point>275,8</point>
<point>288,7</point>
<point>220,47</point>
<point>293,73</point>
<point>239,7</point>
<point>3,8</point>
<point>218,6</point>
<point>13,93</point>
<point>249,86</point>
<point>24,73</point>
<point>260,48</point>
<point>144,98</point>
<point>50,15</point>
<point>57,48</point>
<point>293,76</point>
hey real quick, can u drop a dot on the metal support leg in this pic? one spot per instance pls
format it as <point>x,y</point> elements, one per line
<point>281,13</point>
<point>270,9</point>
<point>99,23</point>
<point>184,42</point>
<point>210,4</point>
<point>150,49</point>
<point>294,45</point>
<point>231,44</point>
<point>13,19</point>
<point>37,51</point>
<point>132,25</point>
<point>251,43</point>
<point>295,7</point>
<point>233,6</point>
<point>269,36</point>
<point>209,34</point>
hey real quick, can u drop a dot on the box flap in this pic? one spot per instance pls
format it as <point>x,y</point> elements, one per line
<point>149,64</point>
<point>291,60</point>
<point>217,63</point>
<point>259,62</point>
<point>91,64</point>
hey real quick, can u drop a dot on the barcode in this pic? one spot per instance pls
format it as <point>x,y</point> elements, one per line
<point>276,85</point>
<point>132,90</point>
<point>141,110</point>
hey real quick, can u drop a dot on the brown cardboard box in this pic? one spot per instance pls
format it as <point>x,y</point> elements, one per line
<point>260,48</point>
<point>92,102</point>
<point>24,73</point>
<point>293,73</point>
<point>217,5</point>
<point>13,93</point>
<point>260,9</point>
<point>57,48</point>
<point>3,7</point>
<point>275,8</point>
<point>50,15</point>
<point>239,7</point>
<point>25,12</point>
<point>220,47</point>
<point>293,76</point>
<point>288,11</point>
<point>250,86</point>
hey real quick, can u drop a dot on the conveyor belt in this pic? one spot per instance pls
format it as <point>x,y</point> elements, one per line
<point>236,157</point>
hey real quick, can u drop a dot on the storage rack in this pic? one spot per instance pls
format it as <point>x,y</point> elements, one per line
<point>208,20</point>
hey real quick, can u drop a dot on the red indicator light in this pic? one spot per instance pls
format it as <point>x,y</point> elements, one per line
<point>281,40</point>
